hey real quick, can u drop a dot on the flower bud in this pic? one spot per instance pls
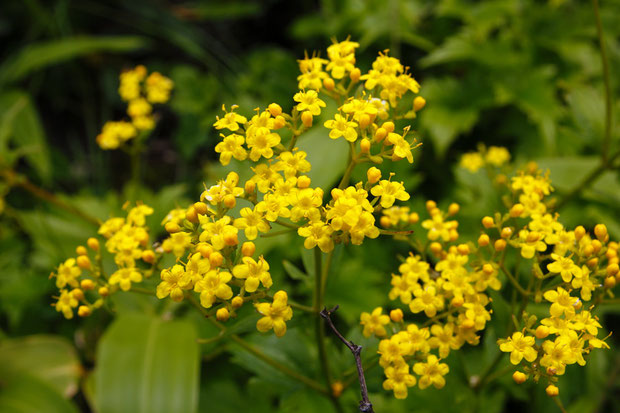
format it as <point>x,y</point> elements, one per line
<point>516,210</point>
<point>87,285</point>
<point>418,103</point>
<point>506,232</point>
<point>365,145</point>
<point>303,182</point>
<point>205,250</point>
<point>483,240</point>
<point>580,231</point>
<point>191,215</point>
<point>600,231</point>
<point>385,222</point>
<point>216,259</point>
<point>457,301</point>
<point>454,208</point>
<point>83,262</point>
<point>84,311</point>
<point>306,119</point>
<point>414,218</point>
<point>396,315</point>
<point>610,282</point>
<point>374,175</point>
<point>519,377</point>
<point>230,238</point>
<point>355,74</point>
<point>337,388</point>
<point>249,187</point>
<point>248,249</point>
<point>380,134</point>
<point>172,227</point>
<point>542,331</point>
<point>237,302</point>
<point>500,245</point>
<point>487,222</point>
<point>329,83</point>
<point>597,246</point>
<point>148,256</point>
<point>552,390</point>
<point>612,270</point>
<point>201,208</point>
<point>77,294</point>
<point>365,121</point>
<point>103,291</point>
<point>81,250</point>
<point>279,122</point>
<point>435,248</point>
<point>463,249</point>
<point>93,244</point>
<point>274,109</point>
<point>222,314</point>
<point>388,126</point>
<point>230,201</point>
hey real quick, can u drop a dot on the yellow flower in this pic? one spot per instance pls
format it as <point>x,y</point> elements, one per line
<point>309,101</point>
<point>342,58</point>
<point>253,272</point>
<point>472,161</point>
<point>444,339</point>
<point>402,148</point>
<point>497,156</point>
<point>124,277</point>
<point>252,221</point>
<point>213,286</point>
<point>275,315</point>
<point>158,88</point>
<point>174,281</point>
<point>274,206</point>
<point>230,121</point>
<point>374,323</point>
<point>426,300</point>
<point>565,267</point>
<point>398,379</point>
<point>177,243</point>
<point>530,243</point>
<point>292,163</point>
<point>231,147</point>
<point>389,192</point>
<point>114,134</point>
<point>130,80</point>
<point>66,303</point>
<point>562,302</point>
<point>305,203</point>
<point>317,233</point>
<point>261,143</point>
<point>341,126</point>
<point>519,347</point>
<point>216,232</point>
<point>558,354</point>
<point>432,372</point>
<point>67,273</point>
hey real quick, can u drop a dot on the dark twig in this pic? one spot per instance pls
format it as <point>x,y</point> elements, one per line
<point>365,404</point>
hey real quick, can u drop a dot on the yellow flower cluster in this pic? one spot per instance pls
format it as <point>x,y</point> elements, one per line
<point>128,240</point>
<point>279,192</point>
<point>572,270</point>
<point>140,92</point>
<point>495,156</point>
<point>451,294</point>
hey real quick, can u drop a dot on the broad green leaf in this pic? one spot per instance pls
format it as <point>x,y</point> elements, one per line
<point>24,393</point>
<point>19,122</point>
<point>328,157</point>
<point>50,359</point>
<point>39,55</point>
<point>146,364</point>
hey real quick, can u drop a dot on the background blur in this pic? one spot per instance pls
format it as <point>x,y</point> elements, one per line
<point>522,74</point>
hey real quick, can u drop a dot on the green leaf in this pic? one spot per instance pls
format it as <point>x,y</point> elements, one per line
<point>39,55</point>
<point>20,123</point>
<point>25,393</point>
<point>149,365</point>
<point>328,157</point>
<point>51,359</point>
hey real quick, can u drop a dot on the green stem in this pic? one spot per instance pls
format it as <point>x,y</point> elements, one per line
<point>347,173</point>
<point>558,402</point>
<point>514,281</point>
<point>319,327</point>
<point>135,157</point>
<point>325,274</point>
<point>607,80</point>
<point>24,183</point>
<point>259,354</point>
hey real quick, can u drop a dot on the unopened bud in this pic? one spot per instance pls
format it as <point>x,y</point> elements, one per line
<point>487,222</point>
<point>87,285</point>
<point>274,109</point>
<point>83,262</point>
<point>373,174</point>
<point>303,182</point>
<point>355,74</point>
<point>248,249</point>
<point>93,244</point>
<point>306,119</point>
<point>81,250</point>
<point>84,311</point>
<point>418,103</point>
<point>329,83</point>
<point>483,240</point>
<point>230,201</point>
<point>365,145</point>
<point>222,314</point>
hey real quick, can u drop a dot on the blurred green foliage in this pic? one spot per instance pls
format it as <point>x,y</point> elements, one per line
<point>523,74</point>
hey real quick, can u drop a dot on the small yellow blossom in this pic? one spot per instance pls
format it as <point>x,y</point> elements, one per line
<point>275,315</point>
<point>374,323</point>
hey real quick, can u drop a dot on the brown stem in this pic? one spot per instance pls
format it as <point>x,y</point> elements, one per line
<point>365,404</point>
